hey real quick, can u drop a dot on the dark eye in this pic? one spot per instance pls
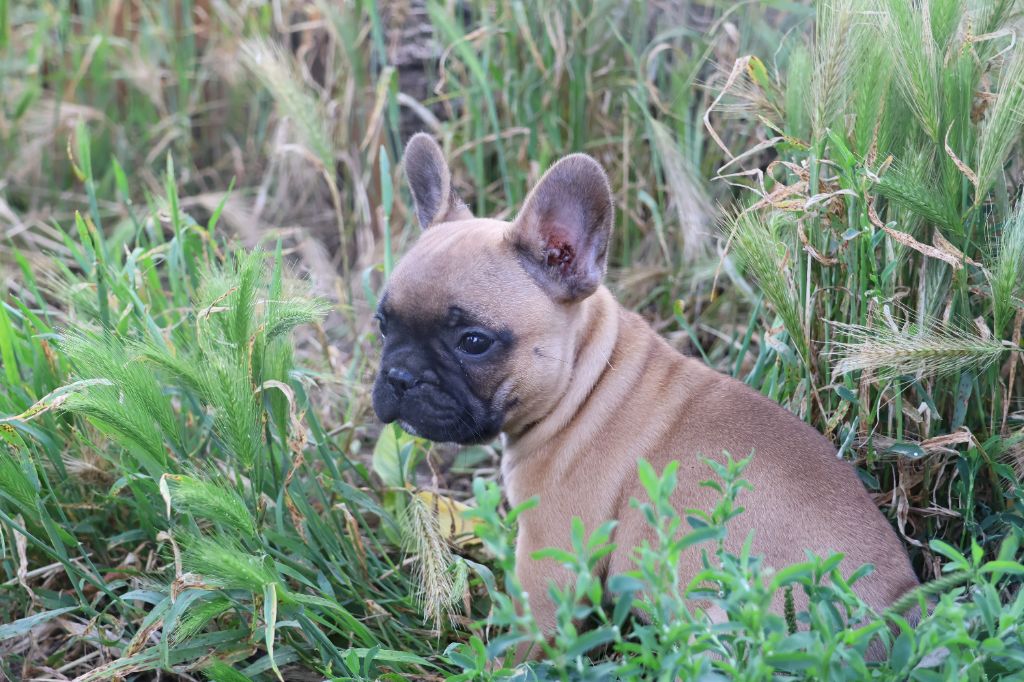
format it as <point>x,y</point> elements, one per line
<point>381,324</point>
<point>474,343</point>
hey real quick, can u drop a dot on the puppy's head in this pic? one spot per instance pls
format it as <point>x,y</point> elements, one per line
<point>480,320</point>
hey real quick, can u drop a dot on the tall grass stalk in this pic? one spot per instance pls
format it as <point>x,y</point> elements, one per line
<point>1003,121</point>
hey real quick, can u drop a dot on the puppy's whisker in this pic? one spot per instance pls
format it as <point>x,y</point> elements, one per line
<point>465,423</point>
<point>538,352</point>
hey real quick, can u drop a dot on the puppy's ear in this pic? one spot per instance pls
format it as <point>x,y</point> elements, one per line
<point>431,183</point>
<point>563,230</point>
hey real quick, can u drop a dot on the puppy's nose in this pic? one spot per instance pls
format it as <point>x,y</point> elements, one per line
<point>401,379</point>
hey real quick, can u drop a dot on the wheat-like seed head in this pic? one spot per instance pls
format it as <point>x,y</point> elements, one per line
<point>423,537</point>
<point>908,32</point>
<point>223,561</point>
<point>692,207</point>
<point>935,350</point>
<point>215,501</point>
<point>1007,273</point>
<point>836,49</point>
<point>1003,123</point>
<point>758,244</point>
<point>277,71</point>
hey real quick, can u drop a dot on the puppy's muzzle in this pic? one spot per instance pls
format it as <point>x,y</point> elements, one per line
<point>427,407</point>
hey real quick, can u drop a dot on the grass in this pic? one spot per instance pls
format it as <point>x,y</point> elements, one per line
<point>191,479</point>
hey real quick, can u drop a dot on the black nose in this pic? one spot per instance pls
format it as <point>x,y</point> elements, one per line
<point>401,379</point>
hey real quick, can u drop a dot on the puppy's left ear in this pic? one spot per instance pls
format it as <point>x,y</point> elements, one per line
<point>563,230</point>
<point>431,183</point>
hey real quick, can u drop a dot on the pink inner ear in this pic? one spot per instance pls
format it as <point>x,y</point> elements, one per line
<point>559,253</point>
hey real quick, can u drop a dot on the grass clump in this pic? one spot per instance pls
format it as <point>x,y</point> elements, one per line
<point>189,427</point>
<point>883,236</point>
<point>675,638</point>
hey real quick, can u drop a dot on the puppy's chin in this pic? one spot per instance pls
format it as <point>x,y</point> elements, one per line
<point>435,415</point>
<point>450,432</point>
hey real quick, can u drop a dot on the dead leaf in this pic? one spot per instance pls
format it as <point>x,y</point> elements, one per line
<point>964,168</point>
<point>455,527</point>
<point>909,241</point>
<point>959,437</point>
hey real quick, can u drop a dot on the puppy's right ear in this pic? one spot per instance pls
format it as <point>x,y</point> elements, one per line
<point>431,183</point>
<point>563,230</point>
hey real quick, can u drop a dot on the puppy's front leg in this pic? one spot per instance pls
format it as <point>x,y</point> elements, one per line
<point>535,583</point>
<point>535,576</point>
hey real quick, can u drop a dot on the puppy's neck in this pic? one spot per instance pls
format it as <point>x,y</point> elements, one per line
<point>595,338</point>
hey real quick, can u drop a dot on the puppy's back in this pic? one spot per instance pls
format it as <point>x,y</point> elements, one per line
<point>804,497</point>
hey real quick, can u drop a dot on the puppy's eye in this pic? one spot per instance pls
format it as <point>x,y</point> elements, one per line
<point>381,325</point>
<point>474,343</point>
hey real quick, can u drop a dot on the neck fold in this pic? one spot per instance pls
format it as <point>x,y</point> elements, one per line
<point>595,341</point>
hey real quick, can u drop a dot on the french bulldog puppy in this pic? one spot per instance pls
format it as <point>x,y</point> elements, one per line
<point>492,327</point>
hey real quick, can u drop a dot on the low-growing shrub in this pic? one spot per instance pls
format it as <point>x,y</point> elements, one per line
<point>971,630</point>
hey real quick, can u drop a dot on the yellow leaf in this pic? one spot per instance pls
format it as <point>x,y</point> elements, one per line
<point>758,73</point>
<point>451,518</point>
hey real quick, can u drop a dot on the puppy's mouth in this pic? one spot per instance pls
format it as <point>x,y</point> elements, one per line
<point>431,413</point>
<point>408,428</point>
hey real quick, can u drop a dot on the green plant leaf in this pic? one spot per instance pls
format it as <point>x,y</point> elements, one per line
<point>23,625</point>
